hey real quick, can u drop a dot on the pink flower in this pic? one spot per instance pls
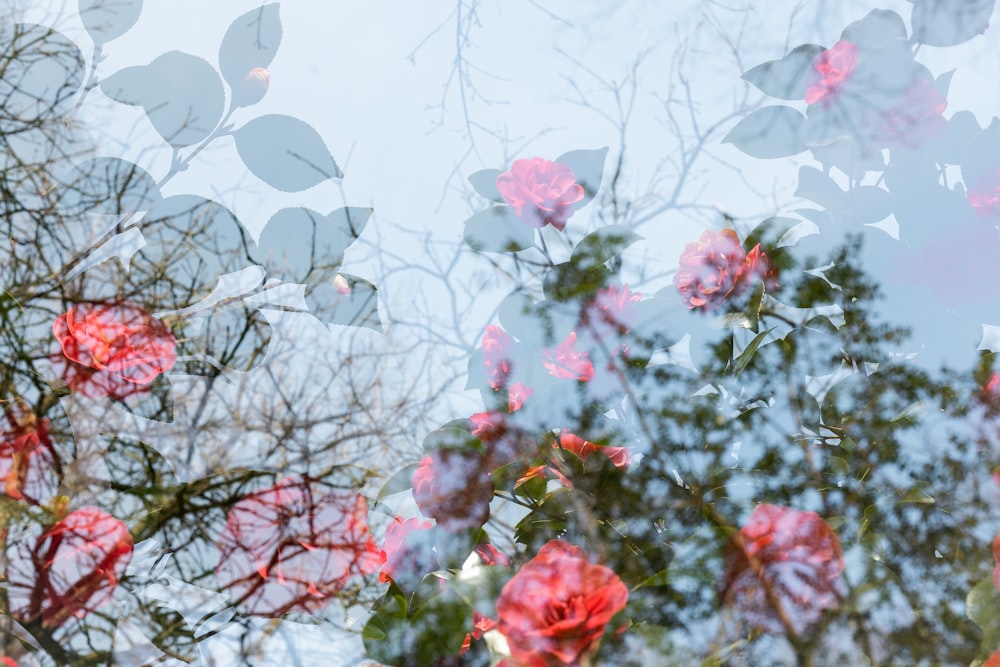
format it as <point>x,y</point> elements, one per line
<point>28,463</point>
<point>291,547</point>
<point>571,442</point>
<point>835,67</point>
<point>496,356</point>
<point>504,441</point>
<point>993,660</point>
<point>783,570</point>
<point>111,349</point>
<point>403,555</point>
<point>540,191</point>
<point>715,269</point>
<point>252,88</point>
<point>984,196</point>
<point>913,119</point>
<point>555,609</point>
<point>70,570</point>
<point>454,488</point>
<point>490,555</point>
<point>565,363</point>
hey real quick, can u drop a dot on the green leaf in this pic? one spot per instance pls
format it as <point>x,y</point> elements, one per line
<point>949,22</point>
<point>746,356</point>
<point>106,20</point>
<point>251,41</point>
<point>183,98</point>
<point>982,605</point>
<point>356,308</point>
<point>603,244</point>
<point>588,167</point>
<point>918,496</point>
<point>485,183</point>
<point>498,229</point>
<point>787,78</point>
<point>876,29</point>
<point>285,152</point>
<point>297,241</point>
<point>770,132</point>
<point>401,481</point>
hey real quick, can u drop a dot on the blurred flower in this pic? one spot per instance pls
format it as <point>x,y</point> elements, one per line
<point>984,195</point>
<point>28,463</point>
<point>571,442</point>
<point>555,609</point>
<point>565,363</point>
<point>914,118</point>
<point>490,555</point>
<point>835,66</point>
<point>715,269</point>
<point>341,285</point>
<point>111,349</point>
<point>252,88</point>
<point>993,660</point>
<point>405,551</point>
<point>496,356</point>
<point>611,312</point>
<point>454,488</point>
<point>783,570</point>
<point>291,547</point>
<point>540,191</point>
<point>70,570</point>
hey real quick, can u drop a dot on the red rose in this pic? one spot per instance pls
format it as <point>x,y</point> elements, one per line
<point>984,195</point>
<point>555,609</point>
<point>565,363</point>
<point>583,449</point>
<point>71,569</point>
<point>834,66</point>
<point>403,552</point>
<point>496,356</point>
<point>28,463</point>
<point>715,269</point>
<point>111,349</point>
<point>540,191</point>
<point>454,488</point>
<point>783,570</point>
<point>291,547</point>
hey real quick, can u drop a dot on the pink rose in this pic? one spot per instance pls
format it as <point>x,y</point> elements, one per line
<point>496,356</point>
<point>783,571</point>
<point>292,547</point>
<point>715,269</point>
<point>984,195</point>
<point>111,349</point>
<point>540,191</point>
<point>403,555</point>
<point>70,570</point>
<point>565,363</point>
<point>454,488</point>
<point>28,463</point>
<point>571,442</point>
<point>555,609</point>
<point>835,67</point>
<point>914,118</point>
